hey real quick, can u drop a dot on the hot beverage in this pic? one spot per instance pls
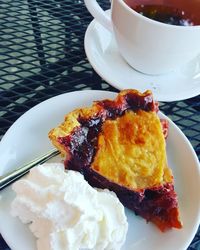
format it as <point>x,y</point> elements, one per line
<point>153,47</point>
<point>167,12</point>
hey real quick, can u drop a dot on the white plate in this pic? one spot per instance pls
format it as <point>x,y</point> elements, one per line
<point>103,55</point>
<point>27,138</point>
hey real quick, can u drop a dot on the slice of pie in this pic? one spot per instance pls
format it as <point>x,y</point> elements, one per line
<point>120,145</point>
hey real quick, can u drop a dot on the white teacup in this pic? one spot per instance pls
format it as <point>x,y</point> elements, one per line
<point>149,46</point>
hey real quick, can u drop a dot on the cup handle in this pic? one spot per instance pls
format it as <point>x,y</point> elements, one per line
<point>99,14</point>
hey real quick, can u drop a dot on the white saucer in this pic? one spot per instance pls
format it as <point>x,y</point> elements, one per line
<point>102,53</point>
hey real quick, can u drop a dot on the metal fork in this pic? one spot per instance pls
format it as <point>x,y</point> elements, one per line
<point>9,178</point>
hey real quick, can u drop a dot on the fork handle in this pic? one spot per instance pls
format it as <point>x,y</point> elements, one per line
<point>9,178</point>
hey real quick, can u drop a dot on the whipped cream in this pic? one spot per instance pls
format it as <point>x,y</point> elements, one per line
<point>65,212</point>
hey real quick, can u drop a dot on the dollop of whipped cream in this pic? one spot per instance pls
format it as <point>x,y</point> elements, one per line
<point>65,212</point>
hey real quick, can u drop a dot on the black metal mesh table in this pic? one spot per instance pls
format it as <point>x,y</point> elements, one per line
<point>42,55</point>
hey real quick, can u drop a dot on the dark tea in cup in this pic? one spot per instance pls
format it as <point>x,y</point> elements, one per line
<point>175,12</point>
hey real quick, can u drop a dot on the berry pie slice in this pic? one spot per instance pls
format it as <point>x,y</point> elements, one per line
<point>120,145</point>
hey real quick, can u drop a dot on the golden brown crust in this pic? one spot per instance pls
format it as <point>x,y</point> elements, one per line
<point>70,123</point>
<point>131,151</point>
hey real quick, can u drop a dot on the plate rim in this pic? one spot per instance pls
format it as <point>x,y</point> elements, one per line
<point>46,101</point>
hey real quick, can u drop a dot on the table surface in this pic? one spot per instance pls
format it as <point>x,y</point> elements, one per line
<point>42,55</point>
